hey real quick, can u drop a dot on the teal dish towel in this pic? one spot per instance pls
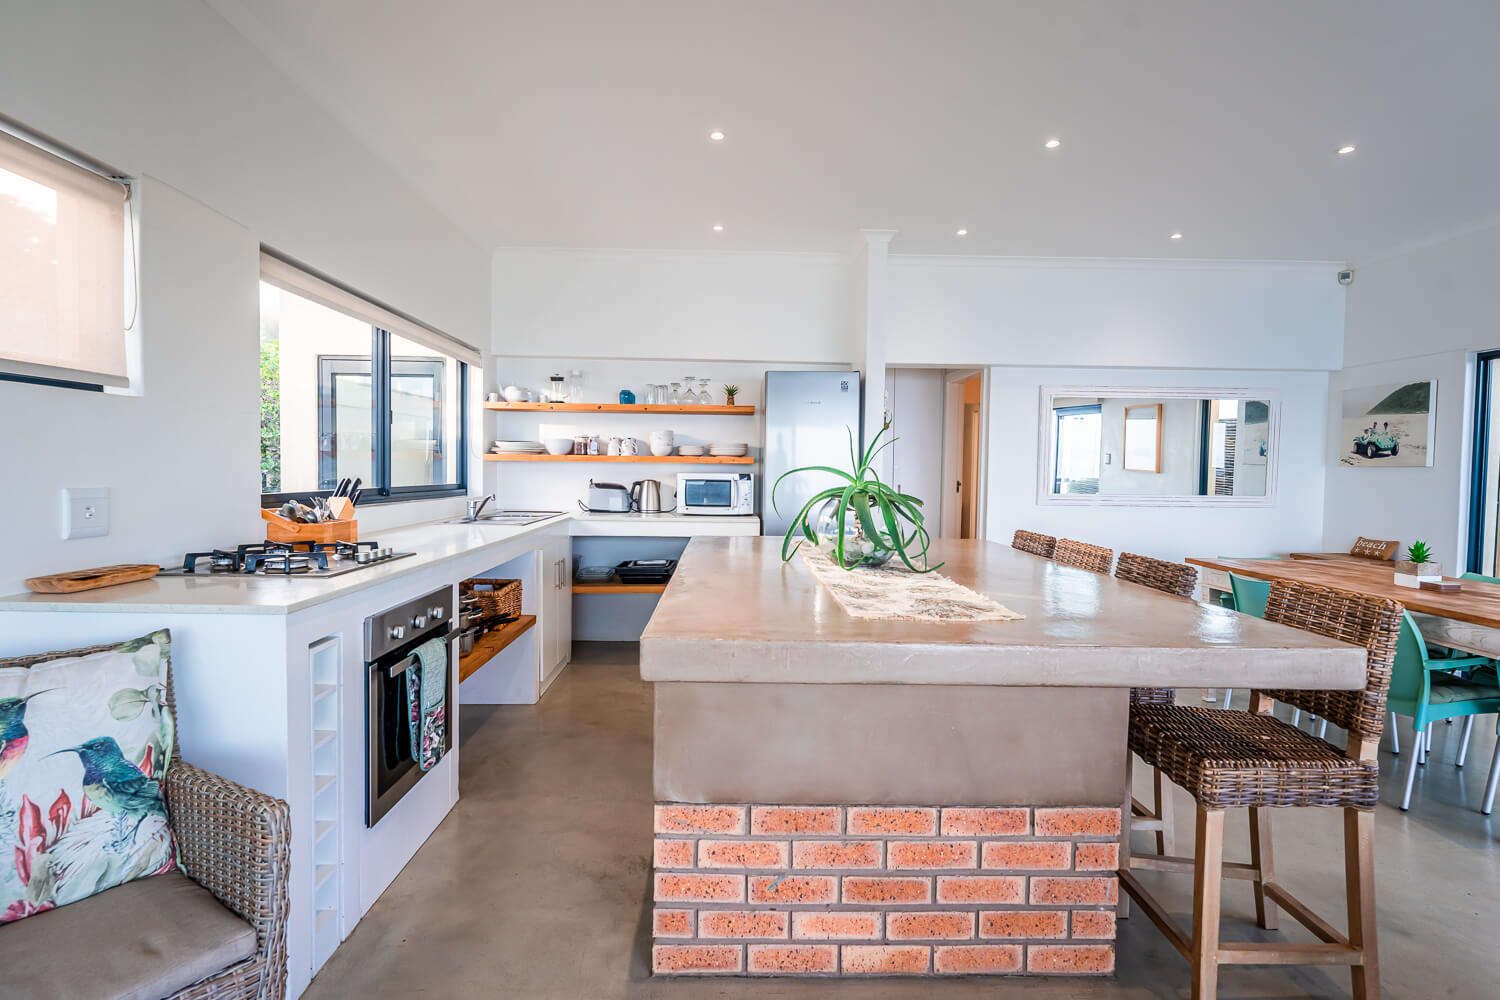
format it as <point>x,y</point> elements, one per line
<point>426,702</point>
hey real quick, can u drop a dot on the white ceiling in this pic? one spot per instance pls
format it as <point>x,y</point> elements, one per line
<point>584,124</point>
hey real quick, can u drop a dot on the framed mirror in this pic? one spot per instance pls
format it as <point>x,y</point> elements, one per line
<point>1153,446</point>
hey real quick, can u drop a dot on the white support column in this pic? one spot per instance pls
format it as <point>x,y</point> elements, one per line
<point>871,277</point>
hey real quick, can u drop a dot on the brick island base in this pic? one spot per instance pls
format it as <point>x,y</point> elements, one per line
<point>748,889</point>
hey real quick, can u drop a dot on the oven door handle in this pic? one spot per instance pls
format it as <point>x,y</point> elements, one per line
<point>410,660</point>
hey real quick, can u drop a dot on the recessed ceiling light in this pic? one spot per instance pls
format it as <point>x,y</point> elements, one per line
<point>1052,143</point>
<point>1345,150</point>
<point>718,228</point>
<point>1176,236</point>
<point>716,135</point>
<point>962,232</point>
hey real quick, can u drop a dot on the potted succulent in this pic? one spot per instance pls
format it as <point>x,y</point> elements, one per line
<point>861,521</point>
<point>729,393</point>
<point>1418,566</point>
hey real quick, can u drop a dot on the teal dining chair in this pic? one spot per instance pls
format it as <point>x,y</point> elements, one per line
<point>1483,674</point>
<point>1425,689</point>
<point>1248,597</point>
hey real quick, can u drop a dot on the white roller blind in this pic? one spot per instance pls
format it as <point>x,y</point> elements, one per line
<point>275,271</point>
<point>62,268</point>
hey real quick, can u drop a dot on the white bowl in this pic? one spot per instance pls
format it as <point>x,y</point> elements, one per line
<point>559,446</point>
<point>659,449</point>
<point>513,393</point>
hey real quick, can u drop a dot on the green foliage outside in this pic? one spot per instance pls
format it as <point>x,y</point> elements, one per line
<point>270,416</point>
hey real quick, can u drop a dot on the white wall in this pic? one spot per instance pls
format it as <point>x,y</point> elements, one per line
<point>783,307</point>
<point>1179,449</point>
<point>166,90</point>
<point>1294,522</point>
<point>1411,316</point>
<point>964,311</point>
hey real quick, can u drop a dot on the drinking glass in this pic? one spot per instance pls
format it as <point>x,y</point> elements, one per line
<point>689,398</point>
<point>704,396</point>
<point>676,392</point>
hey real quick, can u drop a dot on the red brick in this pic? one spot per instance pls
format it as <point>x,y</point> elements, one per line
<point>793,959</point>
<point>742,924</point>
<point>672,854</point>
<point>865,889</point>
<point>1096,890</point>
<point>1023,924</point>
<point>986,822</point>
<point>976,959</point>
<point>700,819</point>
<point>903,821</point>
<point>695,959</point>
<point>1094,959</point>
<point>1078,822</point>
<point>794,889</point>
<point>981,889</point>
<point>1097,857</point>
<point>929,926</point>
<point>931,854</point>
<point>836,854</point>
<point>1028,855</point>
<point>672,924</point>
<point>821,925</point>
<point>884,960</point>
<point>672,887</point>
<point>1094,924</point>
<point>742,853</point>
<point>794,819</point>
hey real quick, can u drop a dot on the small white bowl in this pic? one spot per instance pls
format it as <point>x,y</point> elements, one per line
<point>559,446</point>
<point>513,394</point>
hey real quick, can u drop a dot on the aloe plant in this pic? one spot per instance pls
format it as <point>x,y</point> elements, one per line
<point>1418,553</point>
<point>891,519</point>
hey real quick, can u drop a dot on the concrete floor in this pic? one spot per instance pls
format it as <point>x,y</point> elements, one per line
<point>537,885</point>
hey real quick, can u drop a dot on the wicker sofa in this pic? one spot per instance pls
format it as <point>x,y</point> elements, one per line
<point>216,929</point>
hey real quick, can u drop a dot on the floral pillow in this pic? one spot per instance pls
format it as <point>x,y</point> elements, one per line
<point>85,742</point>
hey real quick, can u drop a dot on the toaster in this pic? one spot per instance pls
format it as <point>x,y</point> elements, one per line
<point>607,498</point>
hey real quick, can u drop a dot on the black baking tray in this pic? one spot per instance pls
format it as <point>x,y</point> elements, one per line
<point>645,570</point>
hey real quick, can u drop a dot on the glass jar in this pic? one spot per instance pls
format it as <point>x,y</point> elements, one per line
<point>859,549</point>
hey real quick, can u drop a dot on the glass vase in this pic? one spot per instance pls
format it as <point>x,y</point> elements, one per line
<point>859,549</point>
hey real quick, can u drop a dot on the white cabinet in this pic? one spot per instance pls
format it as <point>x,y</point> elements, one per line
<point>555,580</point>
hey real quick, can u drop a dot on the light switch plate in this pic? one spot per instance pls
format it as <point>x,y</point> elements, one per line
<point>85,512</point>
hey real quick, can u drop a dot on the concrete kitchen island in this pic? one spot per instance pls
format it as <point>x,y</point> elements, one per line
<point>844,796</point>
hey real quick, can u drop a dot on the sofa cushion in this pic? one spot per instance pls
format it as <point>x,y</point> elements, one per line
<point>85,741</point>
<point>140,941</point>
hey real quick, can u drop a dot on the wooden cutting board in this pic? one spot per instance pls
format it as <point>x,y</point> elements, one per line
<point>92,579</point>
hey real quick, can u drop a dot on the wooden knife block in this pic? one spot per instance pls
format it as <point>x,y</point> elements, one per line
<point>344,527</point>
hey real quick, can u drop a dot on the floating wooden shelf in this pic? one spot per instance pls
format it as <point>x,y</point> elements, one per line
<point>491,643</point>
<point>624,408</point>
<point>526,456</point>
<point>614,586</point>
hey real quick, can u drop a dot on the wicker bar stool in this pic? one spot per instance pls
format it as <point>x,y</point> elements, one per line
<point>1181,581</point>
<point>1030,541</point>
<point>1082,555</point>
<point>1228,760</point>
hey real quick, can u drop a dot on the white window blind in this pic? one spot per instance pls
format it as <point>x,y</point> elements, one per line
<point>62,268</point>
<point>275,271</point>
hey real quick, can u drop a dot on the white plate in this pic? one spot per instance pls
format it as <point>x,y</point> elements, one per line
<point>690,450</point>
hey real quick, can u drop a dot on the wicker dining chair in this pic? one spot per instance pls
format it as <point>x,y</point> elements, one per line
<point>1181,581</point>
<point>1228,760</point>
<point>231,840</point>
<point>1030,541</point>
<point>1082,555</point>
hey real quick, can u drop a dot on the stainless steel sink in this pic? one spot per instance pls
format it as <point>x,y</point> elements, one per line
<point>512,518</point>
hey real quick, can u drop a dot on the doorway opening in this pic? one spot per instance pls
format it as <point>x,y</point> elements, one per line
<point>963,455</point>
<point>938,426</point>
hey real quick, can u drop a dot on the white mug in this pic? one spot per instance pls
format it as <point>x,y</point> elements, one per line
<point>614,446</point>
<point>628,446</point>
<point>493,397</point>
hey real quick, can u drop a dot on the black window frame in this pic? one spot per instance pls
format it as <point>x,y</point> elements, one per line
<point>1474,550</point>
<point>382,367</point>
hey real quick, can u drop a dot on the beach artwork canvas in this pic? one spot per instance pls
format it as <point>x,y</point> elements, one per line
<point>1388,426</point>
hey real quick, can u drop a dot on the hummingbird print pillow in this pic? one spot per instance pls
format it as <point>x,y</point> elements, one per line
<point>85,742</point>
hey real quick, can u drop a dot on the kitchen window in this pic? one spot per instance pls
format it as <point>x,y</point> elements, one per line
<point>351,390</point>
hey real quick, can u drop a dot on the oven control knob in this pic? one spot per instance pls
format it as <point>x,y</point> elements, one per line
<point>397,632</point>
<point>419,621</point>
<point>437,611</point>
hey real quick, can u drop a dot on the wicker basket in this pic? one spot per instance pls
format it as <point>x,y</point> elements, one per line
<point>496,597</point>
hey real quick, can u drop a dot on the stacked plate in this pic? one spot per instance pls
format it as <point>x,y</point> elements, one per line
<point>731,449</point>
<point>690,450</point>
<point>519,447</point>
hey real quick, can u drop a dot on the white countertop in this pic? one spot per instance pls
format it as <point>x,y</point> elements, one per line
<point>433,543</point>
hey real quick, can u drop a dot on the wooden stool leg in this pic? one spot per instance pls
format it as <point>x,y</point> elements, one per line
<point>1261,859</point>
<point>1208,884</point>
<point>1359,873</point>
<point>1163,788</point>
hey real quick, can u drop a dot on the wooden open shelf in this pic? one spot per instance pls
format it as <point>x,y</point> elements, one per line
<point>491,643</point>
<point>614,586</point>
<point>526,456</point>
<point>624,408</point>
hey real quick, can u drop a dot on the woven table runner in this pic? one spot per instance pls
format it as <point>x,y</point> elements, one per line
<point>894,592</point>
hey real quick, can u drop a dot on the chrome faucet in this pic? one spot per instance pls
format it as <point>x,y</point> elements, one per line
<point>475,506</point>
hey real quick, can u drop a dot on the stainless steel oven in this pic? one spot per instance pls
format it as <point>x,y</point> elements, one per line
<point>391,641</point>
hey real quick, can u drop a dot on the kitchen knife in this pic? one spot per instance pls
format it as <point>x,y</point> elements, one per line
<point>354,492</point>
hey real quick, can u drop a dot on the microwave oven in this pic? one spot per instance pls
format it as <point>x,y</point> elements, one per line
<point>716,493</point>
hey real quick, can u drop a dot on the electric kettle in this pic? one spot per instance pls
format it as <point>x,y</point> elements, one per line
<point>645,496</point>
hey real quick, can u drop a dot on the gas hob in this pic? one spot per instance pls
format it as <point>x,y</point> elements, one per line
<point>299,559</point>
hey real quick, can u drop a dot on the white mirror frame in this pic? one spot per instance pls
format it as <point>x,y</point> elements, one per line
<point>1046,498</point>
